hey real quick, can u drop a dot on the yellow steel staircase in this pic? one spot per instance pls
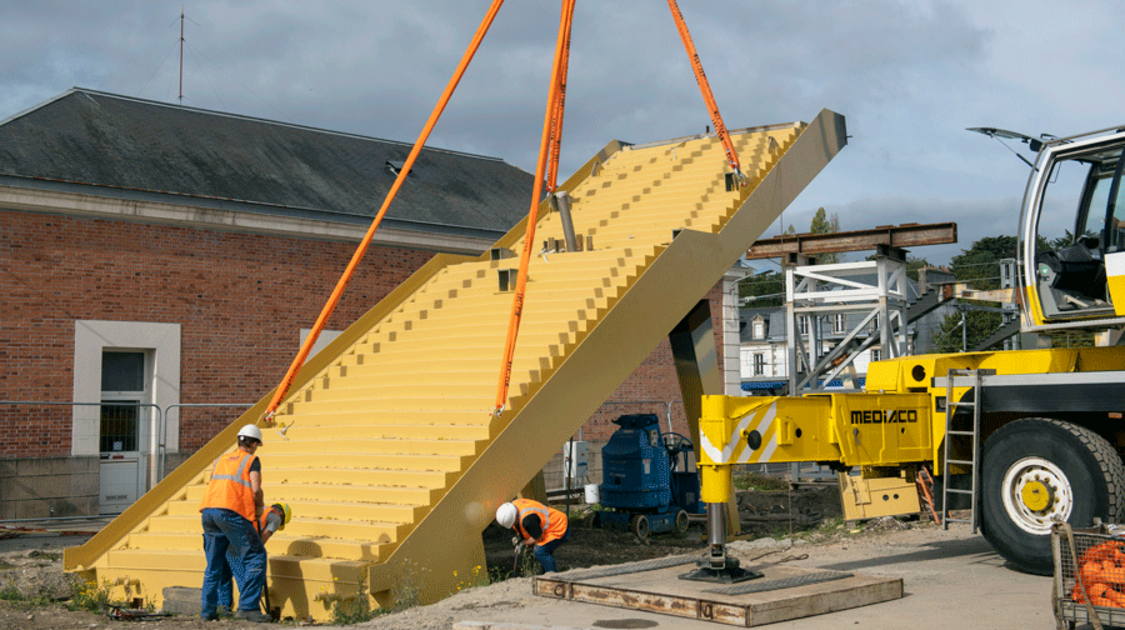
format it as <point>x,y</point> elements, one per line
<point>386,449</point>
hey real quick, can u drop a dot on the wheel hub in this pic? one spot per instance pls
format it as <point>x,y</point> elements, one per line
<point>1036,494</point>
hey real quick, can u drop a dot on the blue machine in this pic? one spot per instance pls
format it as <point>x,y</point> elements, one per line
<point>649,481</point>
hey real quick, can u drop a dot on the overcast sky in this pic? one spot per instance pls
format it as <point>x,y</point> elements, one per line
<point>909,76</point>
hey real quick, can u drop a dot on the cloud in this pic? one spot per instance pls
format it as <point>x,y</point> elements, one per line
<point>909,75</point>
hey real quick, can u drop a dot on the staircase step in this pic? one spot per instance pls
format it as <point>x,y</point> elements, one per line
<point>331,510</point>
<point>280,544</point>
<point>375,532</point>
<point>339,488</point>
<point>308,568</point>
<point>370,446</point>
<point>436,403</point>
<point>384,427</point>
<point>361,461</point>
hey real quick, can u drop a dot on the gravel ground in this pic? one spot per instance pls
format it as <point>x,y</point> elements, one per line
<point>949,575</point>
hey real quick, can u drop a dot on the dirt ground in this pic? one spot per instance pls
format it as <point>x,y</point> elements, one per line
<point>34,591</point>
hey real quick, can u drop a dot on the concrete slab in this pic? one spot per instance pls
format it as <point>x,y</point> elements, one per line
<point>951,579</point>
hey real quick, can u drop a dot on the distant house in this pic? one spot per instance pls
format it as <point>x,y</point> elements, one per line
<point>162,263</point>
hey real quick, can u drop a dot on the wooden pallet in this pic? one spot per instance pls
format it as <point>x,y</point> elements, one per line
<point>654,586</point>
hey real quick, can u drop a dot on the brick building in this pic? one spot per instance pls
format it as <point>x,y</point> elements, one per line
<point>159,262</point>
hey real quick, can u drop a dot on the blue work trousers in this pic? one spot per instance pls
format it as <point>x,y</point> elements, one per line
<point>226,531</point>
<point>234,572</point>
<point>544,553</point>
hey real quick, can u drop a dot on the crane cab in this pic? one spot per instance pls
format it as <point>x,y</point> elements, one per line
<point>1072,235</point>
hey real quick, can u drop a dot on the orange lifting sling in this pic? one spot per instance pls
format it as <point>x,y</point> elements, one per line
<point>552,123</point>
<point>287,381</point>
<point>547,164</point>
<point>705,88</point>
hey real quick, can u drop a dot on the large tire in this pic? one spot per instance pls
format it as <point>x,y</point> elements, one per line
<point>1036,470</point>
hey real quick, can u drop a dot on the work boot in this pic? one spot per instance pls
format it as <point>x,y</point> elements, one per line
<point>224,612</point>
<point>255,616</point>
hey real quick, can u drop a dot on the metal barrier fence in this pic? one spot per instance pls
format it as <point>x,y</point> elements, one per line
<point>164,430</point>
<point>124,428</point>
<point>155,453</point>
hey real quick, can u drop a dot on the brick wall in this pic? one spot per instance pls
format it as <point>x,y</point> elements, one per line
<point>241,300</point>
<point>652,386</point>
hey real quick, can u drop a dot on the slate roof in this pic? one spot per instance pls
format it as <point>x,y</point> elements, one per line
<point>125,146</point>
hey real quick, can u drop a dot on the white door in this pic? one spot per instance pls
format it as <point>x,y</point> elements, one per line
<point>123,429</point>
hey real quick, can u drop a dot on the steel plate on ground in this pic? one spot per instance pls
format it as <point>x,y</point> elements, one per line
<point>658,589</point>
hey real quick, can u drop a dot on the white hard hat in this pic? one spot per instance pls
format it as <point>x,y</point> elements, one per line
<point>506,515</point>
<point>251,431</point>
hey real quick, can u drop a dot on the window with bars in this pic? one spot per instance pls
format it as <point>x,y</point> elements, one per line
<point>123,389</point>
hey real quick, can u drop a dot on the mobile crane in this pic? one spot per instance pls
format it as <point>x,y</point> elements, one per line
<point>1037,434</point>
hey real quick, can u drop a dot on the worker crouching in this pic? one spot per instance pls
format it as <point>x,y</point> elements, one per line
<point>545,527</point>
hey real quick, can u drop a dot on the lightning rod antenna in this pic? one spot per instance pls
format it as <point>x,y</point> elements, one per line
<point>181,55</point>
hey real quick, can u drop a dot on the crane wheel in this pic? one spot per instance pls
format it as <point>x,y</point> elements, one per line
<point>1037,470</point>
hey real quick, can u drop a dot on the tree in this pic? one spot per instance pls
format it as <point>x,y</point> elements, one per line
<point>913,265</point>
<point>980,264</point>
<point>766,289</point>
<point>978,326</point>
<point>980,267</point>
<point>823,224</point>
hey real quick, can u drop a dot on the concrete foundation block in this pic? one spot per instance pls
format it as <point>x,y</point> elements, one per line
<point>182,600</point>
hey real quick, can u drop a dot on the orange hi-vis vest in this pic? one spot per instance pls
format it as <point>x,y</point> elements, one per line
<point>552,521</point>
<point>230,487</point>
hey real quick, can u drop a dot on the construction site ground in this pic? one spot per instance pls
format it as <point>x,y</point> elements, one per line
<point>952,578</point>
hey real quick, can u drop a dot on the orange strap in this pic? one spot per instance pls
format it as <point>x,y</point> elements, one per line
<point>560,102</point>
<point>529,238</point>
<point>705,88</point>
<point>306,348</point>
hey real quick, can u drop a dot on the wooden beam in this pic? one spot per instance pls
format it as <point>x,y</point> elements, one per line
<point>901,236</point>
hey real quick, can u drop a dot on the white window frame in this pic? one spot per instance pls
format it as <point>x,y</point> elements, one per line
<point>91,339</point>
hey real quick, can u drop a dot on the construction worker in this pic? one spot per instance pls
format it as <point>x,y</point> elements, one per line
<point>275,518</point>
<point>231,506</point>
<point>536,524</point>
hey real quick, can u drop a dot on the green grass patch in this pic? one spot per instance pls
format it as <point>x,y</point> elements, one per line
<point>757,481</point>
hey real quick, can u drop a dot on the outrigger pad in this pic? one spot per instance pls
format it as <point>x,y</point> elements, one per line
<point>729,574</point>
